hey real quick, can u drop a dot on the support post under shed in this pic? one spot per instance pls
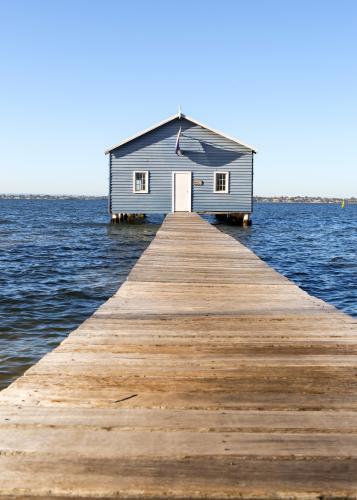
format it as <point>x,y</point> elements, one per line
<point>241,219</point>
<point>125,217</point>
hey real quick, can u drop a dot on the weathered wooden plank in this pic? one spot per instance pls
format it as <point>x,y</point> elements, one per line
<point>179,478</point>
<point>113,443</point>
<point>184,420</point>
<point>94,393</point>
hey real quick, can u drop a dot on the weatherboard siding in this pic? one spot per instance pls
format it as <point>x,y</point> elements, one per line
<point>204,152</point>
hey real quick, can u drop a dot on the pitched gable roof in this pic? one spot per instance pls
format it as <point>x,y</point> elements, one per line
<point>170,119</point>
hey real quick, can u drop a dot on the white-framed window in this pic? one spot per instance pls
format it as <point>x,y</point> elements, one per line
<point>141,181</point>
<point>221,182</point>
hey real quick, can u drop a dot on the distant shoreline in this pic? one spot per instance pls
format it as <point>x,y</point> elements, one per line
<point>50,197</point>
<point>303,199</point>
<point>258,199</point>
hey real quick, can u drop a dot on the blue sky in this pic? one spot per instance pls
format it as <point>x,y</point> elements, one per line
<point>77,76</point>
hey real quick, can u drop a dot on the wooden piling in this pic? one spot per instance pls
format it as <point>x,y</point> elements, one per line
<point>240,219</point>
<point>126,217</point>
<point>207,375</point>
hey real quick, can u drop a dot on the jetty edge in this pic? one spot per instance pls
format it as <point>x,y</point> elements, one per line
<point>207,375</point>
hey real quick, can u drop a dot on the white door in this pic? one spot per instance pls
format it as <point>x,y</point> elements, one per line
<point>181,190</point>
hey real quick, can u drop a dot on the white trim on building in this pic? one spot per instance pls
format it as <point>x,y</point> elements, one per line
<point>223,185</point>
<point>174,117</point>
<point>144,180</point>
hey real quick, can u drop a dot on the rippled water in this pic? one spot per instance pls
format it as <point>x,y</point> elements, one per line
<point>60,259</point>
<point>315,245</point>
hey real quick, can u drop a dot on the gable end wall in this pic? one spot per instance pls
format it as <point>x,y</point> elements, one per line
<point>204,152</point>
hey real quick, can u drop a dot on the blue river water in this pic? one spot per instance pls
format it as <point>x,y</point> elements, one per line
<point>60,259</point>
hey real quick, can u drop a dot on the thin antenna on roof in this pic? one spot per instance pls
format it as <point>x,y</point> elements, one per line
<point>179,111</point>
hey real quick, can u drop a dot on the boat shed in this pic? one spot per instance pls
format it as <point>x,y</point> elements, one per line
<point>181,165</point>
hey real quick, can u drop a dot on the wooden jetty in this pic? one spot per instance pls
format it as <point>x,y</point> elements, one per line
<point>207,375</point>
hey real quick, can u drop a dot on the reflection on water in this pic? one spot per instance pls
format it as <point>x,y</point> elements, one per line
<point>60,259</point>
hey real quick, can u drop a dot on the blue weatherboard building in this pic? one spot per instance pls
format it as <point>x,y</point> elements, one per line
<point>181,165</point>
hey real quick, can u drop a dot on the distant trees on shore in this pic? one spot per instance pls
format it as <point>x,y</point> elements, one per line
<point>302,199</point>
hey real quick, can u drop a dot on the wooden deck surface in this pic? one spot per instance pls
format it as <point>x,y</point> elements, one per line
<point>207,375</point>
